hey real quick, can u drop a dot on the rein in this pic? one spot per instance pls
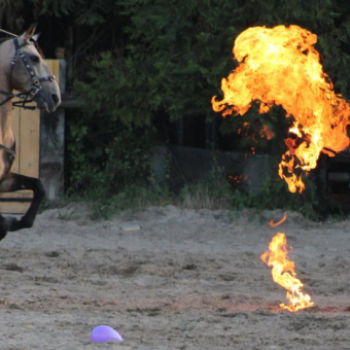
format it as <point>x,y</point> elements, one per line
<point>29,95</point>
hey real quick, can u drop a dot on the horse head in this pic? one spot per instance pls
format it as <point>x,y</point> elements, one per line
<point>27,72</point>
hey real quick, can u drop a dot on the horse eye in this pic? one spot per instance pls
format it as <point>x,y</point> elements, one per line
<point>34,59</point>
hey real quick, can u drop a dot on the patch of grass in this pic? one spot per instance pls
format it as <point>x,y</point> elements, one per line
<point>214,191</point>
<point>203,195</point>
<point>134,198</point>
<point>61,202</point>
<point>206,194</point>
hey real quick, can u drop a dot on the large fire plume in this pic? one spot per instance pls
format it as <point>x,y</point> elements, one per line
<point>280,66</point>
<point>283,273</point>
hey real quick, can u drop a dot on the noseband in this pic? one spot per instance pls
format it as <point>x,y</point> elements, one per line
<point>29,95</point>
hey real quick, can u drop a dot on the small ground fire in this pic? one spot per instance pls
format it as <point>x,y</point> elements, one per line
<point>283,273</point>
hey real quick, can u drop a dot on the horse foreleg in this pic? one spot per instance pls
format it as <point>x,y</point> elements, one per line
<point>4,227</point>
<point>16,182</point>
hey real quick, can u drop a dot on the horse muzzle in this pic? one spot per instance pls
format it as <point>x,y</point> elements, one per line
<point>48,101</point>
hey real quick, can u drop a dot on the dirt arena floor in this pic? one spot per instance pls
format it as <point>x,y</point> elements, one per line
<point>188,279</point>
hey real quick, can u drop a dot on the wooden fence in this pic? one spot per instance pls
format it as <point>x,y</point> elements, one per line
<point>26,128</point>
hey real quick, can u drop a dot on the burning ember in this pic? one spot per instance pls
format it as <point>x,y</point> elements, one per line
<point>274,224</point>
<point>280,66</point>
<point>283,273</point>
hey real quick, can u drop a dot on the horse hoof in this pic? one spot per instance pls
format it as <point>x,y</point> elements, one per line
<point>3,233</point>
<point>3,228</point>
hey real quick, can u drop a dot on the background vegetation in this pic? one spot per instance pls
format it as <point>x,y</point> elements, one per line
<point>142,61</point>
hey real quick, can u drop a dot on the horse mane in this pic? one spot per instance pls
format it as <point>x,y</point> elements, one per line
<point>36,45</point>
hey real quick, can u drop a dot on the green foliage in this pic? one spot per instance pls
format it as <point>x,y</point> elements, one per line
<point>212,191</point>
<point>173,55</point>
<point>117,95</point>
<point>107,156</point>
<point>129,198</point>
<point>86,12</point>
<point>56,8</point>
<point>274,194</point>
<point>11,15</point>
<point>183,49</point>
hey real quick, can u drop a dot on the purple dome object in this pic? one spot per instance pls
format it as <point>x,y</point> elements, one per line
<point>104,334</point>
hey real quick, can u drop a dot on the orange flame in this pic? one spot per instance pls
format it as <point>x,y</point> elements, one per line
<point>236,178</point>
<point>281,66</point>
<point>283,273</point>
<point>274,224</point>
<point>266,132</point>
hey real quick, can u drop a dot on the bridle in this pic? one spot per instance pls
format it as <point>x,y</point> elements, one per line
<point>29,95</point>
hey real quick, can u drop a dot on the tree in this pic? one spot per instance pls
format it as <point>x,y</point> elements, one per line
<point>11,15</point>
<point>151,57</point>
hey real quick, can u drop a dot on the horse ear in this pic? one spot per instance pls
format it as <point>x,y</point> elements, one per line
<point>29,32</point>
<point>35,37</point>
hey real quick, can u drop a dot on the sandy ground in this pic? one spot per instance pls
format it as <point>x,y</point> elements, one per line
<point>188,279</point>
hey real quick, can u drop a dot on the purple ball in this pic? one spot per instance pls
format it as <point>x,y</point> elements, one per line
<point>104,334</point>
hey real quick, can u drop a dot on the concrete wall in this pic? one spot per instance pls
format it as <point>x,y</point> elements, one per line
<point>190,165</point>
<point>52,146</point>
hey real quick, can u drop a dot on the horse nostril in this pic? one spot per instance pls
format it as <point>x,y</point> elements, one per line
<point>55,98</point>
